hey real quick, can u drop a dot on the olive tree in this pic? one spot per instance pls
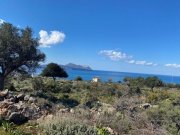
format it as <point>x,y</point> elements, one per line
<point>152,82</point>
<point>54,70</point>
<point>18,51</point>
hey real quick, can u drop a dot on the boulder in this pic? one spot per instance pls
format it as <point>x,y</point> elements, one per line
<point>32,100</point>
<point>72,111</point>
<point>145,106</point>
<point>3,112</point>
<point>31,112</point>
<point>4,93</point>
<point>12,99</point>
<point>66,110</point>
<point>17,118</point>
<point>9,95</point>
<point>26,98</point>
<point>20,105</point>
<point>20,96</point>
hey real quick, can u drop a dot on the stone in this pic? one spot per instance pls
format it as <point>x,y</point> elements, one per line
<point>12,99</point>
<point>31,112</point>
<point>110,130</point>
<point>26,98</point>
<point>145,106</point>
<point>19,105</point>
<point>4,93</point>
<point>20,96</point>
<point>32,100</point>
<point>66,110</point>
<point>9,95</point>
<point>3,112</point>
<point>72,111</point>
<point>17,118</point>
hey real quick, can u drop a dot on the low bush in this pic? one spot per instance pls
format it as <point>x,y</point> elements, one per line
<point>67,125</point>
<point>78,78</point>
<point>37,83</point>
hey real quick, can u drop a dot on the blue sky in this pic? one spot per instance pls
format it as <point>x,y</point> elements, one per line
<point>120,35</point>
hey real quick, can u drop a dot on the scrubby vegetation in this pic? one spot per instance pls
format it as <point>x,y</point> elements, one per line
<point>82,107</point>
<point>46,106</point>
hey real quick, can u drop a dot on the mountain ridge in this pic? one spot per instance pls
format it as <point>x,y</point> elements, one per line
<point>76,66</point>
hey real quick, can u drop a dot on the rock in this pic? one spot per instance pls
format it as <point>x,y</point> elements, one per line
<point>9,95</point>
<point>3,112</point>
<point>17,118</point>
<point>12,99</point>
<point>145,106</point>
<point>11,109</point>
<point>26,98</point>
<point>72,111</point>
<point>5,104</point>
<point>31,112</point>
<point>32,100</point>
<point>20,96</point>
<point>66,110</point>
<point>4,93</point>
<point>20,105</point>
<point>110,130</point>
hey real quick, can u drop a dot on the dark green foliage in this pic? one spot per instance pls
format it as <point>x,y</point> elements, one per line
<point>66,88</point>
<point>135,84</point>
<point>11,87</point>
<point>166,115</point>
<point>37,84</point>
<point>54,70</point>
<point>18,51</point>
<point>152,82</point>
<point>70,103</point>
<point>78,78</point>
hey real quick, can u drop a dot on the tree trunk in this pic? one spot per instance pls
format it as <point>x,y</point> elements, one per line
<point>1,83</point>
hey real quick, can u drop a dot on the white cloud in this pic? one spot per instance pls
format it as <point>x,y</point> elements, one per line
<point>47,40</point>
<point>172,65</point>
<point>120,56</point>
<point>132,61</point>
<point>151,64</point>
<point>140,62</point>
<point>1,21</point>
<point>143,62</point>
<point>115,55</point>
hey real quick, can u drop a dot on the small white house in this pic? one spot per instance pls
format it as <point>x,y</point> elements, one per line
<point>96,79</point>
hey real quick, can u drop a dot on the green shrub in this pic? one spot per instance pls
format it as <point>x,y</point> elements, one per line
<point>37,83</point>
<point>166,115</point>
<point>66,88</point>
<point>78,78</point>
<point>11,87</point>
<point>66,126</point>
<point>102,131</point>
<point>158,95</point>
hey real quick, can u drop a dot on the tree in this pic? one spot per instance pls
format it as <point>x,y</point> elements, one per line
<point>153,82</point>
<point>54,70</point>
<point>78,78</point>
<point>18,51</point>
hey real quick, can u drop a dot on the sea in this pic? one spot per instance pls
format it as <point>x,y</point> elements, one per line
<point>116,76</point>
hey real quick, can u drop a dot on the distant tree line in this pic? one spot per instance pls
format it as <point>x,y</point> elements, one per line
<point>139,82</point>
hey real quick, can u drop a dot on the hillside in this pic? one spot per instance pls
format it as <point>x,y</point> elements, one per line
<point>75,66</point>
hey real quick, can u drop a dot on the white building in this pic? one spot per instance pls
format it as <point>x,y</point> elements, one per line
<point>96,79</point>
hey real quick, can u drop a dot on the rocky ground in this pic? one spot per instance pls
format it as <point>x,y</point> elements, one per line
<point>20,108</point>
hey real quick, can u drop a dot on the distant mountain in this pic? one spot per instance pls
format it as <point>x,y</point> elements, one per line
<point>68,66</point>
<point>74,66</point>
